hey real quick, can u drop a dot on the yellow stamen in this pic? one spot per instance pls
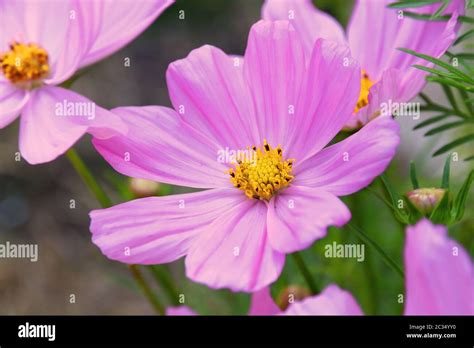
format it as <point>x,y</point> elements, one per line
<point>262,172</point>
<point>365,84</point>
<point>24,63</point>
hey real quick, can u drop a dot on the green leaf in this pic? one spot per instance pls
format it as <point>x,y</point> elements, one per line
<point>464,36</point>
<point>440,9</point>
<point>437,72</point>
<point>446,169</point>
<point>434,107</point>
<point>445,18</point>
<point>442,213</point>
<point>465,55</point>
<point>449,94</point>
<point>453,144</point>
<point>412,4</point>
<point>466,102</point>
<point>460,200</point>
<point>462,62</point>
<point>431,121</point>
<point>470,158</point>
<point>445,127</point>
<point>414,180</point>
<point>425,98</point>
<point>400,213</point>
<point>470,100</point>
<point>390,191</point>
<point>440,63</point>
<point>446,81</point>
<point>414,213</point>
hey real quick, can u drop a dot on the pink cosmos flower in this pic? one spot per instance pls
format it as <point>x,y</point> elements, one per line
<point>374,35</point>
<point>331,301</point>
<point>439,280</point>
<point>279,108</point>
<point>42,44</point>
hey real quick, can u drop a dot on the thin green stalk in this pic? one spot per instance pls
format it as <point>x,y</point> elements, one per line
<point>381,252</point>
<point>105,202</point>
<point>88,178</point>
<point>163,278</point>
<point>137,275</point>
<point>305,272</point>
<point>371,284</point>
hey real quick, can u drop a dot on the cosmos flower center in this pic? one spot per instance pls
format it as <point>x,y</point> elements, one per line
<point>24,63</point>
<point>365,84</point>
<point>261,172</point>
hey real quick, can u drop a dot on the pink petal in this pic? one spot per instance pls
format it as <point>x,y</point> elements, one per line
<point>328,97</point>
<point>45,133</point>
<point>207,89</point>
<point>180,311</point>
<point>158,229</point>
<point>332,301</point>
<point>163,148</point>
<point>439,274</point>
<point>274,70</point>
<point>297,216</point>
<point>414,79</point>
<point>352,164</point>
<point>262,303</point>
<point>12,101</point>
<point>376,32</point>
<point>41,22</point>
<point>234,251</point>
<point>310,23</point>
<point>75,45</point>
<point>115,23</point>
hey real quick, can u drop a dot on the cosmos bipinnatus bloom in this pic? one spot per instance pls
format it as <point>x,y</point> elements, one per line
<point>42,45</point>
<point>280,105</point>
<point>374,34</point>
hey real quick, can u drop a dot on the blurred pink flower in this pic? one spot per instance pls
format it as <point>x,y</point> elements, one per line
<point>439,281</point>
<point>42,44</point>
<point>331,301</point>
<point>439,278</point>
<point>374,35</point>
<point>284,106</point>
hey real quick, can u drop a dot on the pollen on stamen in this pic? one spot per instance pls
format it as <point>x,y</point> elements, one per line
<point>365,84</point>
<point>24,64</point>
<point>262,172</point>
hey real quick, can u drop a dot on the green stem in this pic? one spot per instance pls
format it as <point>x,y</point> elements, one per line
<point>382,253</point>
<point>105,202</point>
<point>88,178</point>
<point>137,275</point>
<point>371,284</point>
<point>305,272</point>
<point>163,277</point>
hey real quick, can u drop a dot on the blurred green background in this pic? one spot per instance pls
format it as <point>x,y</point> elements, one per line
<point>34,200</point>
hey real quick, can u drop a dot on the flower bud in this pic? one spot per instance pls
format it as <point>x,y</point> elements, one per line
<point>426,199</point>
<point>292,294</point>
<point>144,188</point>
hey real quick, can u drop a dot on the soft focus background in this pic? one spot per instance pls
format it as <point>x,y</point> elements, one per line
<point>35,200</point>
